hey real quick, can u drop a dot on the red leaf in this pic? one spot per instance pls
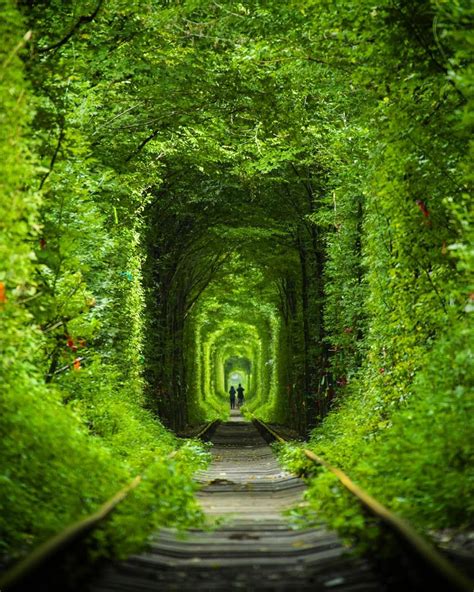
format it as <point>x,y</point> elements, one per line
<point>421,204</point>
<point>71,344</point>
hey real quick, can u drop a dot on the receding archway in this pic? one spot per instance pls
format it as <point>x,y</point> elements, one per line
<point>238,370</point>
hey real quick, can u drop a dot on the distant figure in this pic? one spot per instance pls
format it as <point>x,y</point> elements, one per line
<point>240,395</point>
<point>232,397</point>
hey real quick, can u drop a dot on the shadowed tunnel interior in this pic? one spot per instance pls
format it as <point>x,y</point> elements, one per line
<point>233,298</point>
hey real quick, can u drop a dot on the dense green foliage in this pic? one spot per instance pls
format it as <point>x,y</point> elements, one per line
<point>73,425</point>
<point>398,288</point>
<point>196,189</point>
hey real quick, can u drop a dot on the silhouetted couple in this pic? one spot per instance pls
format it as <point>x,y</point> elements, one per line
<point>240,396</point>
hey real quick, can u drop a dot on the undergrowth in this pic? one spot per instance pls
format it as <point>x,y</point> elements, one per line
<point>417,462</point>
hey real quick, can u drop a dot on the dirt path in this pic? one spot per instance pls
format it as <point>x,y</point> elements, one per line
<point>254,548</point>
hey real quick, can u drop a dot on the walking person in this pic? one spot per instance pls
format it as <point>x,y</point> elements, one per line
<point>232,397</point>
<point>240,395</point>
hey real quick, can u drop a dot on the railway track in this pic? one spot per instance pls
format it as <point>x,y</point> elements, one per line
<point>252,547</point>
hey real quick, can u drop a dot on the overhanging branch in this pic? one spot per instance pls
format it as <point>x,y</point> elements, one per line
<point>82,21</point>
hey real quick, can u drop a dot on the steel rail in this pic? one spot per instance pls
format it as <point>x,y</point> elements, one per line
<point>208,427</point>
<point>74,532</point>
<point>63,539</point>
<point>417,543</point>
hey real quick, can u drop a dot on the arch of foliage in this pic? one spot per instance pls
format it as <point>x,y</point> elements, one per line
<point>302,167</point>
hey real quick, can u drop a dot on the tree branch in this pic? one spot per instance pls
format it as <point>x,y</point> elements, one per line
<point>84,19</point>
<point>142,144</point>
<point>53,159</point>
